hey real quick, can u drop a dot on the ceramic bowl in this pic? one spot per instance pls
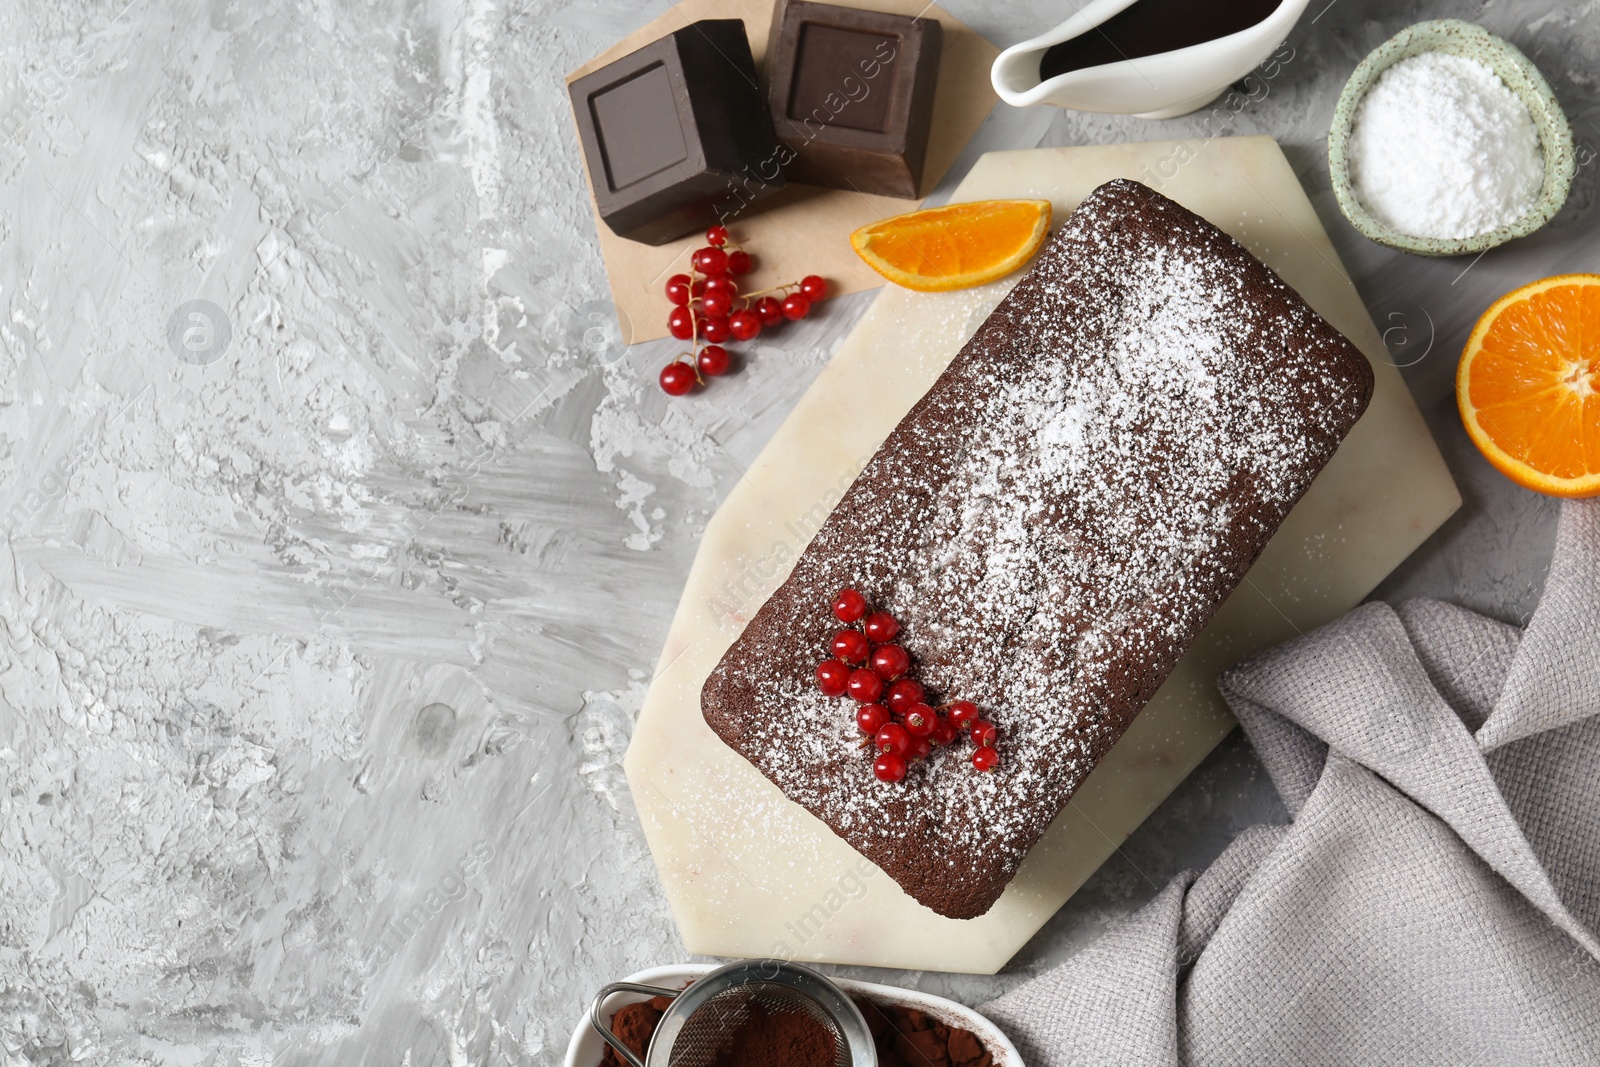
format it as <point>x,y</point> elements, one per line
<point>1456,38</point>
<point>586,1045</point>
<point>1152,87</point>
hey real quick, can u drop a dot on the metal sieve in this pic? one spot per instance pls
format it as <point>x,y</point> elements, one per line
<point>702,1020</point>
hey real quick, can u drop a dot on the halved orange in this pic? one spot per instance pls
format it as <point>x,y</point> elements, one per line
<point>956,246</point>
<point>1529,385</point>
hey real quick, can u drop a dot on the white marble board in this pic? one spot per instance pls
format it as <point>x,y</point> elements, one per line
<point>747,872</point>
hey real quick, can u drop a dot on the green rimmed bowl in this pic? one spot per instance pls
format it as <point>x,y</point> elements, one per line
<point>1457,38</point>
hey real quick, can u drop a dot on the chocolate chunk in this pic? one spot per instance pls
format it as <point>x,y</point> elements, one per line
<point>964,1046</point>
<point>634,1025</point>
<point>851,93</point>
<point>922,1048</point>
<point>909,1037</point>
<point>675,134</point>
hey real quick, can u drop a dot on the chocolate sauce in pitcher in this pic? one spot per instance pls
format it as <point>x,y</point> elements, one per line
<point>1150,27</point>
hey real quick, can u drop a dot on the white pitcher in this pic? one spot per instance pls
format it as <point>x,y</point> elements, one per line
<point>1152,87</point>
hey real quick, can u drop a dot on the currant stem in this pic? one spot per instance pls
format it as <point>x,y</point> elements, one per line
<point>764,292</point>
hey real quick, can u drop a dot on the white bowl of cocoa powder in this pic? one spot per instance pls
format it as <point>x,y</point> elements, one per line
<point>906,1024</point>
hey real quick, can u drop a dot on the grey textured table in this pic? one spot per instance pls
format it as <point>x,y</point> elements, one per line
<point>336,558</point>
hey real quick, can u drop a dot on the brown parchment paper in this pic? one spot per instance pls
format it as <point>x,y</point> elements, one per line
<point>804,229</point>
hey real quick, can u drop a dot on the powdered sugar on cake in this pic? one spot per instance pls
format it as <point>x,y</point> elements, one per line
<point>1053,525</point>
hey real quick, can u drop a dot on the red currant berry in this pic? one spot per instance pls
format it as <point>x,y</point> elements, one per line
<point>880,627</point>
<point>890,661</point>
<point>716,304</point>
<point>872,718</point>
<point>739,262</point>
<point>832,677</point>
<point>721,283</point>
<point>944,731</point>
<point>745,325</point>
<point>903,694</point>
<point>892,737</point>
<point>713,361</point>
<point>921,747</point>
<point>698,288</point>
<point>864,686</point>
<point>795,306</point>
<point>813,288</point>
<point>919,719</point>
<point>984,733</point>
<point>986,758</point>
<point>677,378</point>
<point>710,261</point>
<point>717,236</point>
<point>715,330</point>
<point>680,323</point>
<point>850,645</point>
<point>770,309</point>
<point>889,767</point>
<point>678,289</point>
<point>849,605</point>
<point>962,712</point>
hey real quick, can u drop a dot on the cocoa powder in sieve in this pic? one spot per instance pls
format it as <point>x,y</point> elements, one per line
<point>779,1039</point>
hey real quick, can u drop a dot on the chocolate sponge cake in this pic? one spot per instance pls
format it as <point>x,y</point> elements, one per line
<point>1052,525</point>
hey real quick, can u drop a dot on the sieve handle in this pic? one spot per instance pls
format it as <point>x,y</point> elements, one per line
<point>605,1031</point>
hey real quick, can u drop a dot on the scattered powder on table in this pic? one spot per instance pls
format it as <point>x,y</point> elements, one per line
<point>1441,148</point>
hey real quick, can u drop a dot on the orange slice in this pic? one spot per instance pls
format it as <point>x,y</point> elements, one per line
<point>956,246</point>
<point>1529,385</point>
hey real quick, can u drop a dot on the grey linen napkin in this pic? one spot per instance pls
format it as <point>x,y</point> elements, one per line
<point>1437,896</point>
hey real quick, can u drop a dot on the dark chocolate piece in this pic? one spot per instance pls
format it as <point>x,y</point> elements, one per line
<point>676,135</point>
<point>1052,524</point>
<point>852,95</point>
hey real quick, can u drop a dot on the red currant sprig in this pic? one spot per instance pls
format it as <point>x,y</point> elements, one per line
<point>708,307</point>
<point>898,724</point>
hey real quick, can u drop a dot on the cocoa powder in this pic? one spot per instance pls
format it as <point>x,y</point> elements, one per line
<point>905,1037</point>
<point>779,1039</point>
<point>634,1025</point>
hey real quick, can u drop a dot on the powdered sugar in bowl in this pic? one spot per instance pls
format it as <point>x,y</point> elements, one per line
<point>1451,196</point>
